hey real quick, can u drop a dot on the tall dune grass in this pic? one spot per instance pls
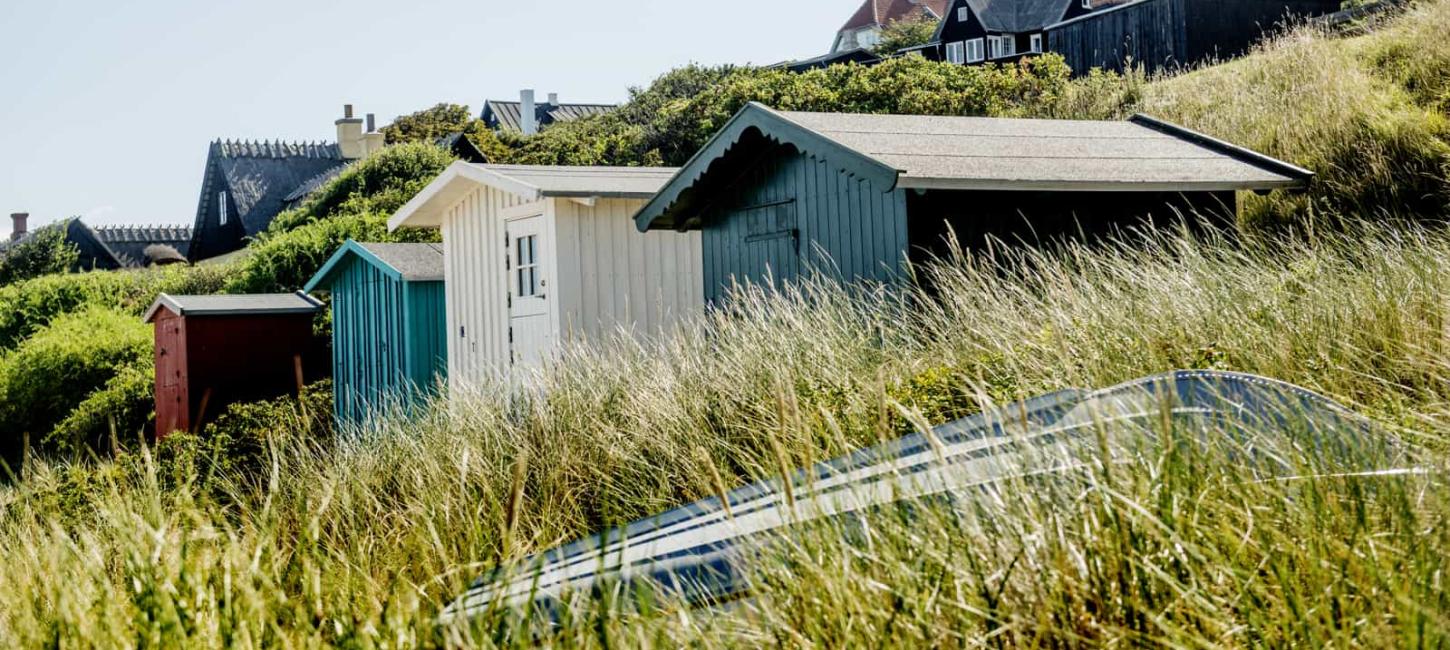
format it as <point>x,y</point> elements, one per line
<point>360,541</point>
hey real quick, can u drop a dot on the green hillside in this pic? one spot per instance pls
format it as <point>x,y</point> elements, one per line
<point>272,531</point>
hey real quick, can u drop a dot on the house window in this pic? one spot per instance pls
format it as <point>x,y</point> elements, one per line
<point>1087,4</point>
<point>221,207</point>
<point>974,51</point>
<point>964,15</point>
<point>1003,46</point>
<point>1037,43</point>
<point>955,52</point>
<point>527,252</point>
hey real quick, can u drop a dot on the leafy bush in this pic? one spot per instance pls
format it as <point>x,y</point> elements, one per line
<point>908,32</point>
<point>51,373</point>
<point>286,261</point>
<point>28,306</point>
<point>242,430</point>
<point>44,252</point>
<point>379,184</point>
<point>126,402</point>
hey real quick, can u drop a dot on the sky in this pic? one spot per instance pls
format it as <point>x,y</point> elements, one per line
<point>107,108</point>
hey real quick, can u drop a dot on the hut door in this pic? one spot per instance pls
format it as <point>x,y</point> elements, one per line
<point>531,332</point>
<point>772,242</point>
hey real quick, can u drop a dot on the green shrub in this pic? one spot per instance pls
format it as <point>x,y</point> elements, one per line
<point>51,373</point>
<point>28,306</point>
<point>379,184</point>
<point>285,261</point>
<point>242,431</point>
<point>44,252</point>
<point>126,403</point>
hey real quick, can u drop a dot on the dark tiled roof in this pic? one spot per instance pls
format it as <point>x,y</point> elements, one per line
<point>129,243</point>
<point>1021,15</point>
<point>506,115</point>
<point>459,145</point>
<point>260,176</point>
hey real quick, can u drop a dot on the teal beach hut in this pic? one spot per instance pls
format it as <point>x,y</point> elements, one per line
<point>389,344</point>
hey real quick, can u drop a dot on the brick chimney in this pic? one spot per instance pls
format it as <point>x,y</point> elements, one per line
<point>350,135</point>
<point>18,224</point>
<point>528,112</point>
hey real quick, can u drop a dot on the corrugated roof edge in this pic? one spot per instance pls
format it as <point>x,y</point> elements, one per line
<point>1226,148</point>
<point>170,302</point>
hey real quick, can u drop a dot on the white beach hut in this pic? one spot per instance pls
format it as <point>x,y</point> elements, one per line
<point>535,256</point>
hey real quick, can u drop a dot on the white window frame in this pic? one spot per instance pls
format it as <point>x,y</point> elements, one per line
<point>975,50</point>
<point>221,203</point>
<point>957,52</point>
<point>1037,43</point>
<point>526,269</point>
<point>964,14</point>
<point>1002,46</point>
<point>1087,4</point>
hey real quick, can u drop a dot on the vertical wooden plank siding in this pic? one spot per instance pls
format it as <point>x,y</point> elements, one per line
<point>476,292</point>
<point>795,213</point>
<point>1153,34</point>
<point>388,340</point>
<point>611,276</point>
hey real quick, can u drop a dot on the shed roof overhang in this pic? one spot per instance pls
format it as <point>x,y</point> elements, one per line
<point>529,183</point>
<point>234,305</point>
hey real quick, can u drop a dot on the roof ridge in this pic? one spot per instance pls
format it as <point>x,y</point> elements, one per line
<point>277,148</point>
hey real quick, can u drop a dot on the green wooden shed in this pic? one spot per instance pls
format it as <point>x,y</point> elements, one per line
<point>776,194</point>
<point>389,343</point>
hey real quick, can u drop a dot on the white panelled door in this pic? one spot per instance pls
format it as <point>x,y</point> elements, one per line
<point>531,330</point>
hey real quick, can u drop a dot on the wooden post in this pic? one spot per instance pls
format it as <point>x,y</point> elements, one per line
<point>25,455</point>
<point>297,371</point>
<point>115,444</point>
<point>201,411</point>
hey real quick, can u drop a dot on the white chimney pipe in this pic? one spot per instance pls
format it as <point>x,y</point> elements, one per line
<point>553,99</point>
<point>528,113</point>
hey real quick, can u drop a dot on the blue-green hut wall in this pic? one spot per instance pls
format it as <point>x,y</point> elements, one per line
<point>426,333</point>
<point>793,211</point>
<point>387,338</point>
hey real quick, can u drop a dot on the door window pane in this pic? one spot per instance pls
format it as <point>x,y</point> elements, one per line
<point>526,250</point>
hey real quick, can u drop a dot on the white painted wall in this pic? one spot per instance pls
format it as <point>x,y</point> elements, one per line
<point>612,276</point>
<point>602,274</point>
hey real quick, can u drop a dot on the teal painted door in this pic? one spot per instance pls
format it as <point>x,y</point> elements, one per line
<point>772,244</point>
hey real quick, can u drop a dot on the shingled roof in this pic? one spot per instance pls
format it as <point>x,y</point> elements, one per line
<point>923,152</point>
<point>261,176</point>
<point>407,262</point>
<point>508,115</point>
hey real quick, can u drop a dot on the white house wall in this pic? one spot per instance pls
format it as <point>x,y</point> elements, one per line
<point>610,275</point>
<point>473,240</point>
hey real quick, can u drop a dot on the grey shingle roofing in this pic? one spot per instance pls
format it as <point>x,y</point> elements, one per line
<point>983,153</point>
<point>297,196</point>
<point>977,153</point>
<point>506,115</point>
<point>234,305</point>
<point>417,262</point>
<point>1019,15</point>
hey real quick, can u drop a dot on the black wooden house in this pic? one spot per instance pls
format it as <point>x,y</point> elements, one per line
<point>1107,34</point>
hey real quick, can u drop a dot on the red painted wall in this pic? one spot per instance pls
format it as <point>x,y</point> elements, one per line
<point>241,358</point>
